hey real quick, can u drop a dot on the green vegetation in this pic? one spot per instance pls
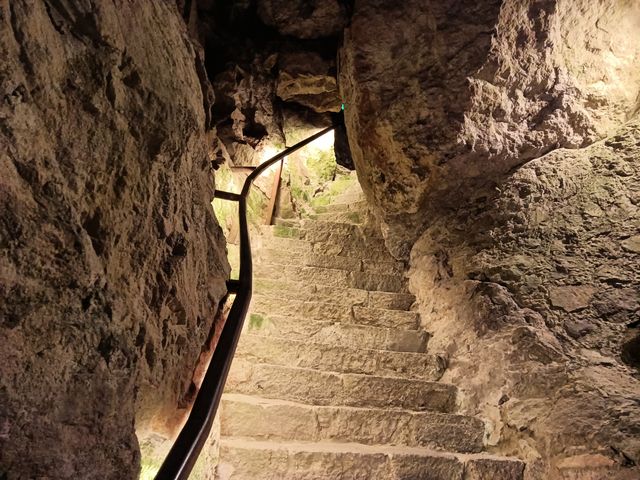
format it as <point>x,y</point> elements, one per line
<point>152,455</point>
<point>149,469</point>
<point>322,164</point>
<point>224,210</point>
<point>256,321</point>
<point>354,217</point>
<point>284,231</point>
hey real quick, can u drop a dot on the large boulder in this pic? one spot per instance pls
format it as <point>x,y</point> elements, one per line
<point>310,80</point>
<point>112,265</point>
<point>442,95</point>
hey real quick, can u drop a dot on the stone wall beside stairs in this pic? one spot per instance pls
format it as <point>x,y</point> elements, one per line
<point>112,265</point>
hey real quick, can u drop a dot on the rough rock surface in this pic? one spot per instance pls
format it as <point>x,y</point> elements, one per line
<point>244,110</point>
<point>445,94</point>
<point>536,298</point>
<point>303,18</point>
<point>478,128</point>
<point>308,79</point>
<point>112,265</point>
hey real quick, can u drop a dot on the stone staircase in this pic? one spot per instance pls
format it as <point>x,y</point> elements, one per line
<point>332,378</point>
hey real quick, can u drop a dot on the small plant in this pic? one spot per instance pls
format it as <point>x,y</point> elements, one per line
<point>284,231</point>
<point>256,321</point>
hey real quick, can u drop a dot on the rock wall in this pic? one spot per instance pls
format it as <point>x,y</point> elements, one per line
<point>112,265</point>
<point>477,128</point>
<point>443,96</point>
<point>535,293</point>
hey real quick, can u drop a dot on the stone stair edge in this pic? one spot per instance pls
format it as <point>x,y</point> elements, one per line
<point>264,401</point>
<point>360,448</point>
<point>334,277</point>
<point>276,317</point>
<point>356,375</point>
<point>379,310</point>
<point>266,254</point>
<point>293,283</point>
<point>280,350</point>
<point>312,344</point>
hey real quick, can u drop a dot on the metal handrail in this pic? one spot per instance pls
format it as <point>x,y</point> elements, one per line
<point>186,449</point>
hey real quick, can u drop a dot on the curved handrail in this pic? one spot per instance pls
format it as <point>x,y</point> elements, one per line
<point>186,449</point>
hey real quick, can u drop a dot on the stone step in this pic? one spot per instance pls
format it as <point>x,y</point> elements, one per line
<point>317,387</point>
<point>321,311</point>
<point>311,259</point>
<point>283,244</point>
<point>332,277</point>
<point>244,459</point>
<point>305,354</point>
<point>340,296</point>
<point>354,217</point>
<point>373,251</point>
<point>338,334</point>
<point>326,231</point>
<point>357,205</point>
<point>267,419</point>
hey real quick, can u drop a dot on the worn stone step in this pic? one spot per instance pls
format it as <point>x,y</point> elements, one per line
<point>321,311</point>
<point>276,256</point>
<point>245,459</point>
<point>326,231</point>
<point>317,387</point>
<point>305,354</point>
<point>268,419</point>
<point>283,244</point>
<point>357,205</point>
<point>279,257</point>
<point>342,296</point>
<point>373,249</point>
<point>332,277</point>
<point>354,217</point>
<point>339,334</point>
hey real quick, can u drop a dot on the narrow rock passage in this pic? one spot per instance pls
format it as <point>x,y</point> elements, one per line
<point>333,378</point>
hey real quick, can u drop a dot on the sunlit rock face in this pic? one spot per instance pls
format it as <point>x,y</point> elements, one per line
<point>310,80</point>
<point>443,95</point>
<point>112,265</point>
<point>504,137</point>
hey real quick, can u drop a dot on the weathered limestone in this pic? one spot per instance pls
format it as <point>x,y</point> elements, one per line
<point>503,135</point>
<point>302,461</point>
<point>336,358</point>
<point>496,469</point>
<point>330,388</point>
<point>335,382</point>
<point>112,265</point>
<point>343,334</point>
<point>244,416</point>
<point>444,95</point>
<point>308,79</point>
